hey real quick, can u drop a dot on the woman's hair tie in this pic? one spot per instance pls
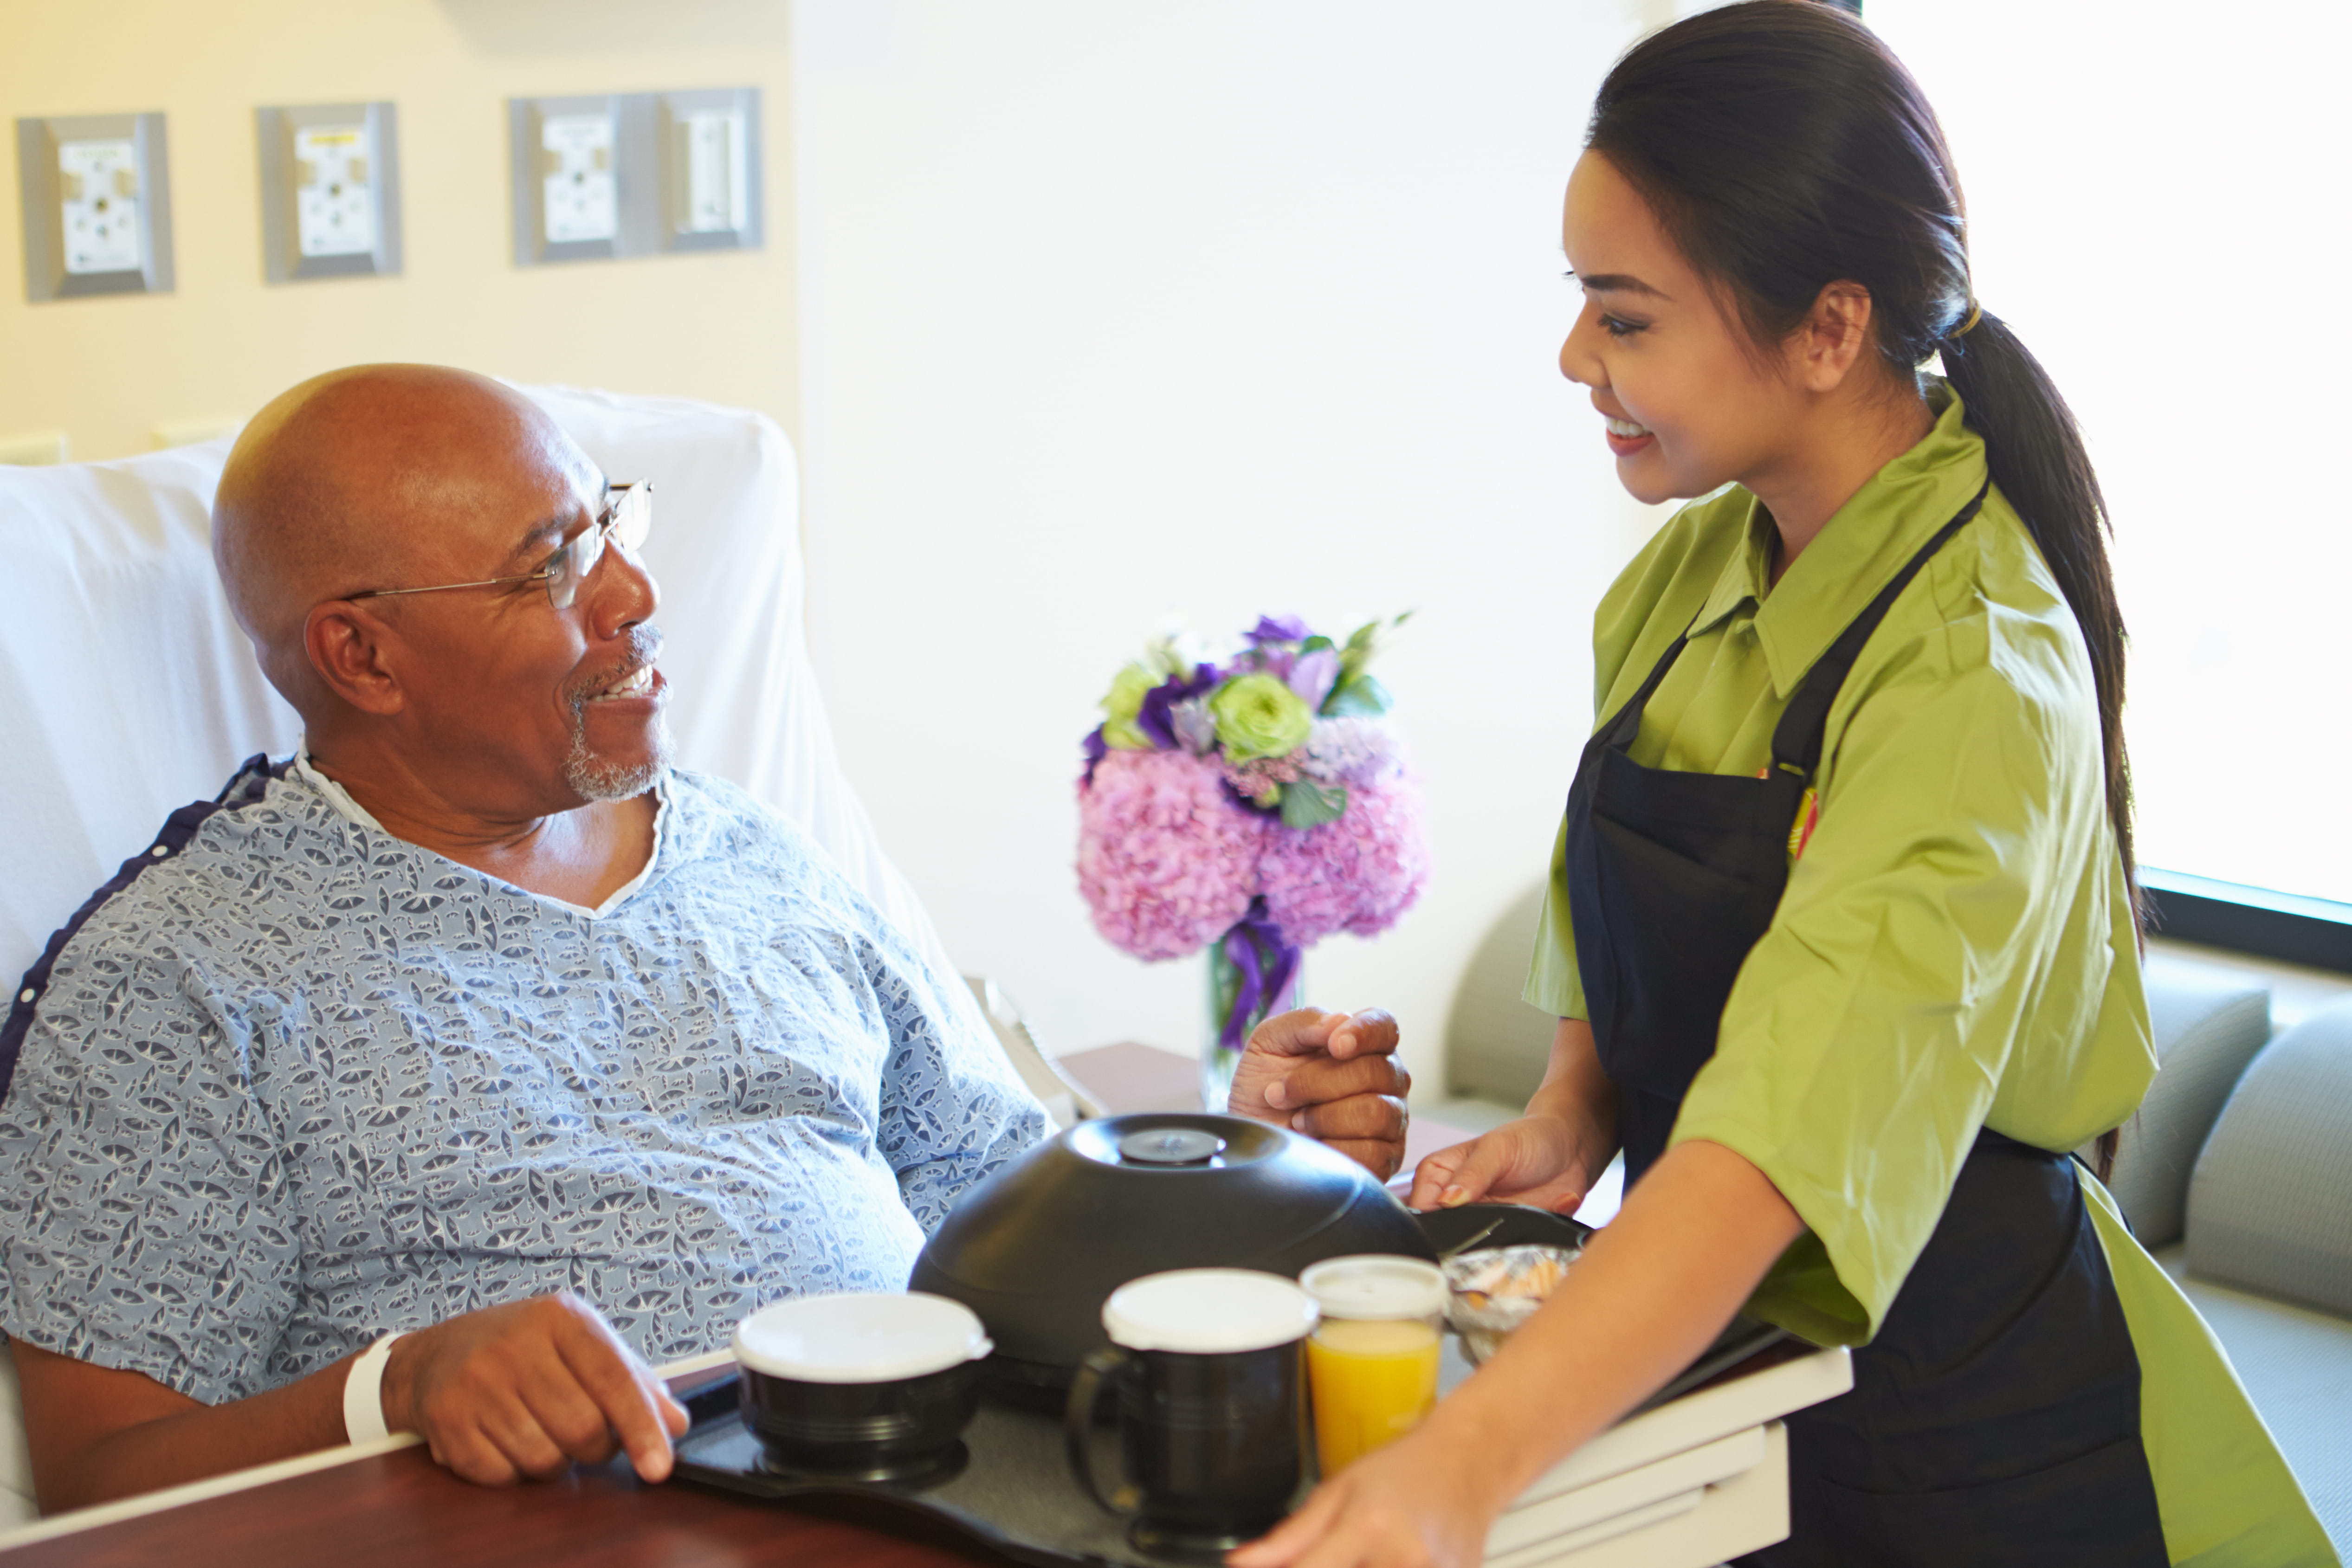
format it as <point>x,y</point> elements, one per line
<point>1976,314</point>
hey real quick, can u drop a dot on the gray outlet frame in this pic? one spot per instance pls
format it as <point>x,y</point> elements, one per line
<point>282,260</point>
<point>646,131</point>
<point>46,277</point>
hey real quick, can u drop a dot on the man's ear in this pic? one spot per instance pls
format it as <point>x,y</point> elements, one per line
<point>347,646</point>
<point>1836,333</point>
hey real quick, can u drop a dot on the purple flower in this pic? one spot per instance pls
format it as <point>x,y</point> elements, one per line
<point>1095,750</point>
<point>1153,718</point>
<point>1278,629</point>
<point>1311,677</point>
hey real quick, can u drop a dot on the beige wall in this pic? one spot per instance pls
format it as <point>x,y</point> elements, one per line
<point>108,370</point>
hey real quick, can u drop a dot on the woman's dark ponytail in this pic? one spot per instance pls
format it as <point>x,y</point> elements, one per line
<point>1785,148</point>
<point>2038,459</point>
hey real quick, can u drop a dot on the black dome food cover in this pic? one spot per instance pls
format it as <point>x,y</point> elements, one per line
<point>1036,1247</point>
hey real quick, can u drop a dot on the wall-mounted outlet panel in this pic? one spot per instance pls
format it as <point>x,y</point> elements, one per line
<point>710,169</point>
<point>330,191</point>
<point>635,173</point>
<point>97,190</point>
<point>575,198</point>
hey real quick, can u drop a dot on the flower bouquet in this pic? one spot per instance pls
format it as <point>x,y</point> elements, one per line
<point>1252,809</point>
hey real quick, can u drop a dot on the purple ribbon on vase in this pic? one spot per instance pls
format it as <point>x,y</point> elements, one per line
<point>1264,963</point>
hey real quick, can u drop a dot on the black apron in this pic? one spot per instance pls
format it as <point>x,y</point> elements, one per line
<point>1995,1418</point>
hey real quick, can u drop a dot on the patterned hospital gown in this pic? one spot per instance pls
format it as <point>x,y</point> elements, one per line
<point>296,1083</point>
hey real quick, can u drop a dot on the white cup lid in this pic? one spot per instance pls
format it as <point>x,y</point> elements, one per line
<point>1375,1285</point>
<point>1208,1312</point>
<point>867,1337</point>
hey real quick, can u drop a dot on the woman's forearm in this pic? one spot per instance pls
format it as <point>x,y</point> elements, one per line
<point>1575,1090</point>
<point>1651,1291</point>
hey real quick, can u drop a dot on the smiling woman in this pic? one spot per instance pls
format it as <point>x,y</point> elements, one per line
<point>1841,931</point>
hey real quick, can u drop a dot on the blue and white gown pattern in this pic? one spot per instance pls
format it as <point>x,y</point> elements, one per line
<point>296,1083</point>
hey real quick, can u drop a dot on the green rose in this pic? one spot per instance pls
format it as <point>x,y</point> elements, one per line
<point>1126,700</point>
<point>1257,715</point>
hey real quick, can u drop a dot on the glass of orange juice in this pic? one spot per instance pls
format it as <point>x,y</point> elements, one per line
<point>1371,1362</point>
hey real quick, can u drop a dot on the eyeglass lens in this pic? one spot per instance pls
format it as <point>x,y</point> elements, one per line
<point>626,524</point>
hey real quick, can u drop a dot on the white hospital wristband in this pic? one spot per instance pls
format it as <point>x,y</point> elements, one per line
<point>363,1394</point>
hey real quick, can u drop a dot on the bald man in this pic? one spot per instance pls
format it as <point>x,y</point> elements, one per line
<point>442,1076</point>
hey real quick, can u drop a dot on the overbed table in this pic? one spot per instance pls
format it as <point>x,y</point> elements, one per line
<point>1682,1487</point>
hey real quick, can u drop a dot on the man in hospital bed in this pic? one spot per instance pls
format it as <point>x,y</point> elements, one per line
<point>474,1019</point>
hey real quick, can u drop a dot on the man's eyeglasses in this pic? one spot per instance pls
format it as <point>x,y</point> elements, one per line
<point>627,516</point>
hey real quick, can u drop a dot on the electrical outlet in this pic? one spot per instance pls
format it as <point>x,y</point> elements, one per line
<point>712,142</point>
<point>574,182</point>
<point>330,191</point>
<point>98,190</point>
<point>634,174</point>
<point>334,214</point>
<point>97,205</point>
<point>582,200</point>
<point>711,170</point>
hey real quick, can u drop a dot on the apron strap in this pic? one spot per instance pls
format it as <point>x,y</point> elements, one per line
<point>1619,732</point>
<point>1797,739</point>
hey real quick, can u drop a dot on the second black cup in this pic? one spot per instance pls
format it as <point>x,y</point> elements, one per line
<point>1206,1365</point>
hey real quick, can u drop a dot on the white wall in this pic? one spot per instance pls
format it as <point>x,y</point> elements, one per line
<point>1113,312</point>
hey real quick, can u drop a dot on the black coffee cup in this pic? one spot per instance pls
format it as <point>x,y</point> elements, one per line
<point>865,1387</point>
<point>1206,1364</point>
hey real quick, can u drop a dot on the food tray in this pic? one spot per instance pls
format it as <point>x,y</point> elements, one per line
<point>1011,1490</point>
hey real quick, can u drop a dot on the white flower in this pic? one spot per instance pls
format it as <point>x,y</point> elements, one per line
<point>1194,725</point>
<point>1350,750</point>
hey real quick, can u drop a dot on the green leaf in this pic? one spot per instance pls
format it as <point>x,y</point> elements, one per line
<point>1306,804</point>
<point>1315,644</point>
<point>1363,697</point>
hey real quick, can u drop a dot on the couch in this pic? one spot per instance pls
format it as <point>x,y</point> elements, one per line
<point>2236,1172</point>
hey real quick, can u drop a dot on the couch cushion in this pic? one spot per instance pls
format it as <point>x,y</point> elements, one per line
<point>1497,1046</point>
<point>2270,1206</point>
<point>2206,1024</point>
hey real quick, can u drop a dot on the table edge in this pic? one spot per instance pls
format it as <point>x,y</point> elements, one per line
<point>105,1513</point>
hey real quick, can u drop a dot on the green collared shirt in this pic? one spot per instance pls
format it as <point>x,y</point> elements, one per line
<point>1954,948</point>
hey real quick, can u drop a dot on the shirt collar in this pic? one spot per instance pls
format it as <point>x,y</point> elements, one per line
<point>1858,550</point>
<point>351,811</point>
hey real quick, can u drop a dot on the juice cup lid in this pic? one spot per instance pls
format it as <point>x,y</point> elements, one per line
<point>1375,1285</point>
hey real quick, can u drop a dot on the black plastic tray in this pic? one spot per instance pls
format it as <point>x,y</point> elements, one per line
<point>1011,1490</point>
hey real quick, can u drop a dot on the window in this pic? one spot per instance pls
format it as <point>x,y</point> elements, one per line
<point>2157,208</point>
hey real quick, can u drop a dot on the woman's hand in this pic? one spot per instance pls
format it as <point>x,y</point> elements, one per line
<point>1544,1160</point>
<point>1418,1503</point>
<point>1549,1157</point>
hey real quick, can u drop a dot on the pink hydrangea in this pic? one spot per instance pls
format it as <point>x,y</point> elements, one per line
<point>1166,861</point>
<point>1356,875</point>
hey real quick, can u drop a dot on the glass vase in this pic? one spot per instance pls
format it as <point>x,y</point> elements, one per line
<point>1217,1059</point>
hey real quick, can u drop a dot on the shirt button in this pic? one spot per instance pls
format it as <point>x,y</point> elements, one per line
<point>160,849</point>
<point>26,995</point>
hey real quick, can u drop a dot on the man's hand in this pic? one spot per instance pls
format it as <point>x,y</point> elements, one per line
<point>522,1389</point>
<point>1333,1076</point>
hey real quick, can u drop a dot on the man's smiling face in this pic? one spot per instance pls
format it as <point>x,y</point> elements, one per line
<point>570,699</point>
<point>489,697</point>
